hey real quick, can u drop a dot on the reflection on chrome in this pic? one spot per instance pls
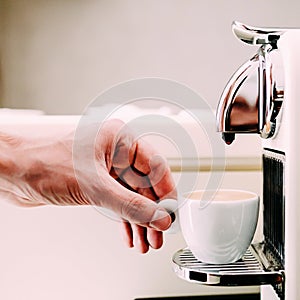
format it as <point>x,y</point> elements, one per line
<point>253,96</point>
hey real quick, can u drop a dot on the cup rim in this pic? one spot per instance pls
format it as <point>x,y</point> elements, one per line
<point>252,195</point>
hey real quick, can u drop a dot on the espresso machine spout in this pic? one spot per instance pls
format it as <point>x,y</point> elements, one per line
<point>251,101</point>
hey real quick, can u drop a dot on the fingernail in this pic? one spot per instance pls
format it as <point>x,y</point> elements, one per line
<point>161,220</point>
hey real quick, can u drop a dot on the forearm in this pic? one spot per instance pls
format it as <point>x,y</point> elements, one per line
<point>40,168</point>
<point>30,149</point>
<point>8,157</point>
<point>10,164</point>
<point>20,135</point>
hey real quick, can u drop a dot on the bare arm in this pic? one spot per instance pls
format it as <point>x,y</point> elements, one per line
<point>130,176</point>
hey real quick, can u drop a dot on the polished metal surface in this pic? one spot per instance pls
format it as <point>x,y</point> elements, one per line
<point>252,99</point>
<point>256,35</point>
<point>249,270</point>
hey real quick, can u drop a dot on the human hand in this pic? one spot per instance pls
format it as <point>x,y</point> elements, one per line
<point>128,178</point>
<point>136,165</point>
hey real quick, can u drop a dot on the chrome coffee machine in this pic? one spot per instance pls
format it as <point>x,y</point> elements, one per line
<point>263,97</point>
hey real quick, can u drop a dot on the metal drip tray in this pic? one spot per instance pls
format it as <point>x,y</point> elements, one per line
<point>247,271</point>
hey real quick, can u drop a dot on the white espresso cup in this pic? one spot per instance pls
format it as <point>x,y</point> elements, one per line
<point>218,226</point>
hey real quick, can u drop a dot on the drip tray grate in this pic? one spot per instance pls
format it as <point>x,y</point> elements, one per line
<point>247,271</point>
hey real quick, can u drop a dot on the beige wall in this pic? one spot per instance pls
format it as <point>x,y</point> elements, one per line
<point>58,55</point>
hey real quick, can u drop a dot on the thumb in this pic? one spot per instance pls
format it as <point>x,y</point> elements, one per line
<point>136,208</point>
<point>141,210</point>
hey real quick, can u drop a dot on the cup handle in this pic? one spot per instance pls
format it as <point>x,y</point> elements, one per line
<point>171,206</point>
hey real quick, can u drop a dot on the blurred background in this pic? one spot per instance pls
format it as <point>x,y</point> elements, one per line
<point>57,56</point>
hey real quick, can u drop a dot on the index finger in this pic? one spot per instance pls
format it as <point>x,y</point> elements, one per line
<point>151,163</point>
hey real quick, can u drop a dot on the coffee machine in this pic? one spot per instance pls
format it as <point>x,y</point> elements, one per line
<point>263,97</point>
